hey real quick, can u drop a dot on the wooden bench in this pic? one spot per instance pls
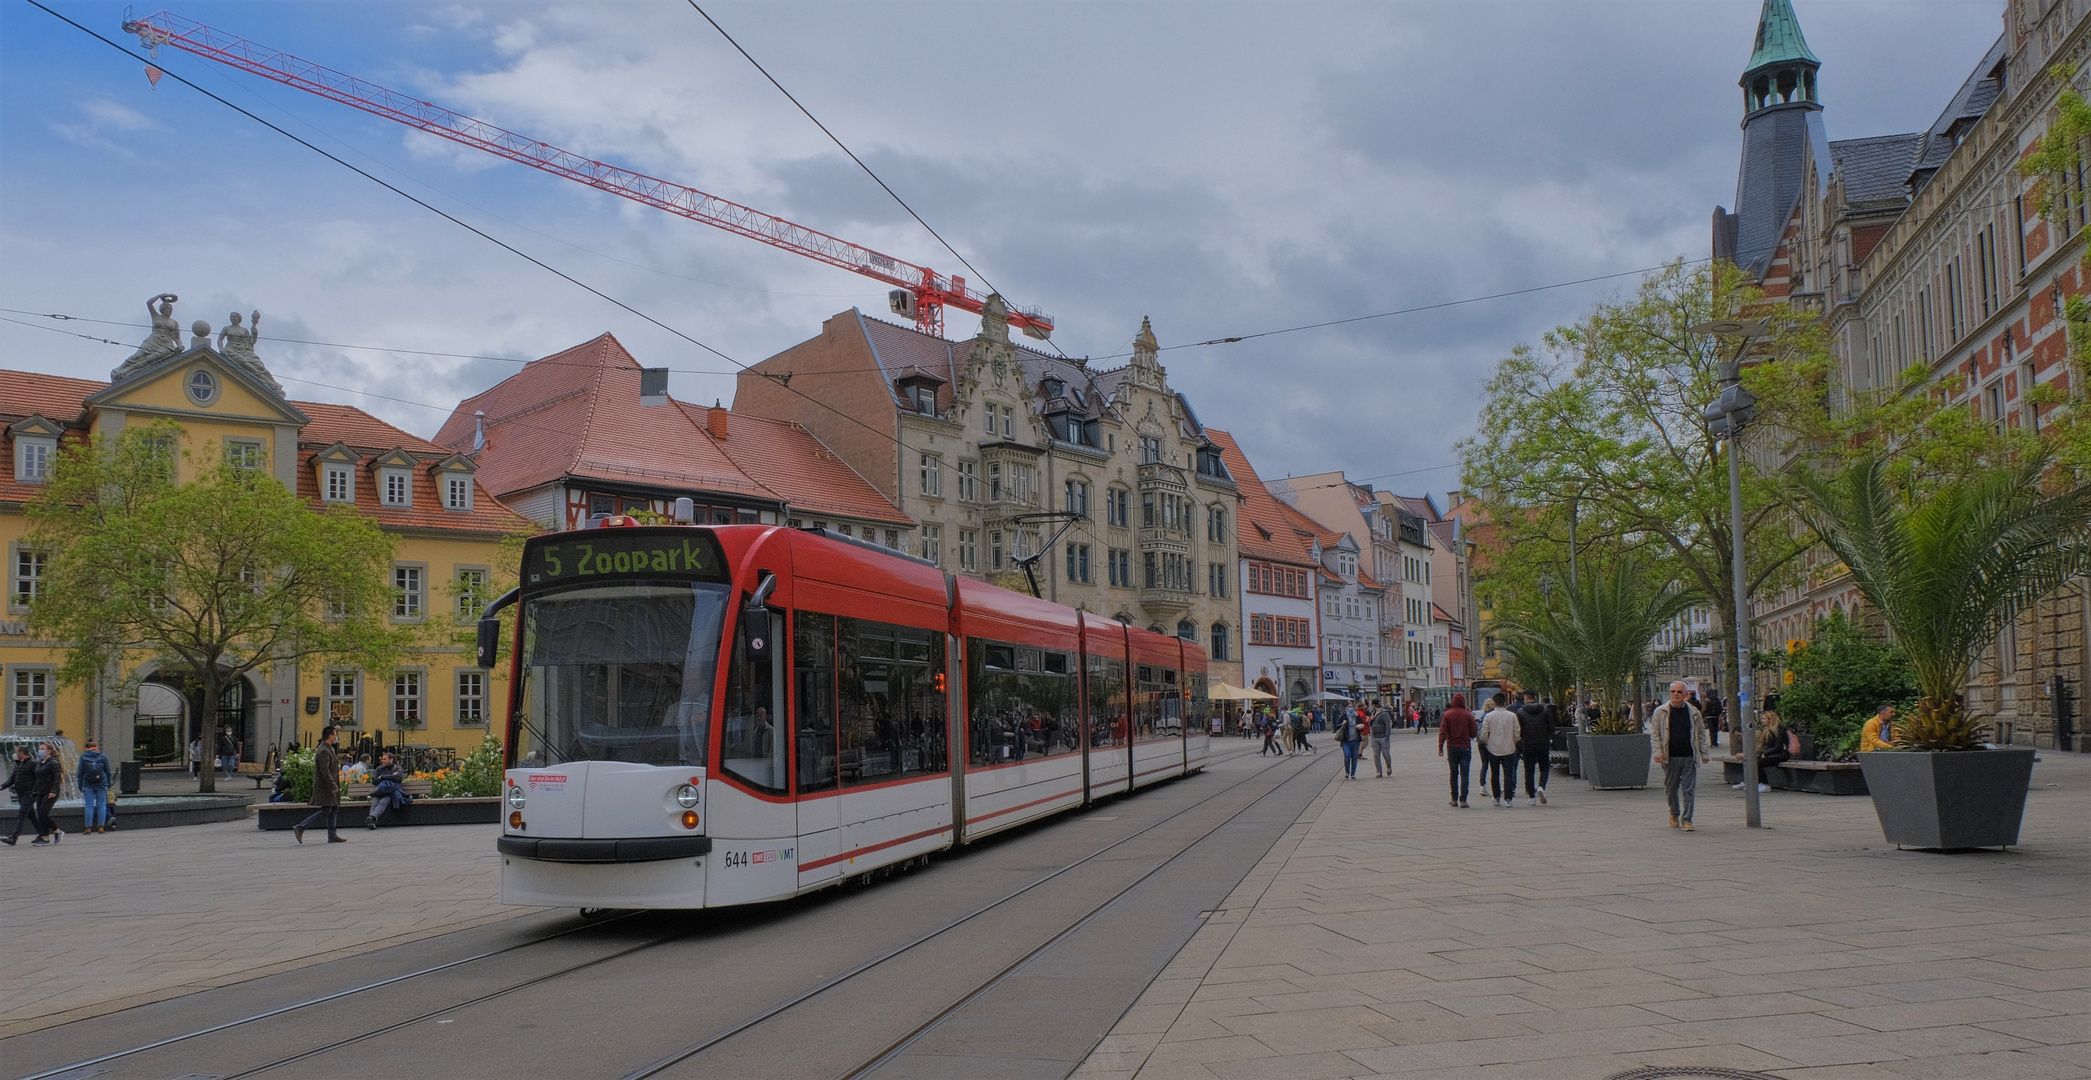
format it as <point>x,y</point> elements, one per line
<point>254,771</point>
<point>1818,777</point>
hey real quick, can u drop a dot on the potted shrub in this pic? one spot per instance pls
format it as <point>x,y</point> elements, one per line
<point>1948,567</point>
<point>1600,629</point>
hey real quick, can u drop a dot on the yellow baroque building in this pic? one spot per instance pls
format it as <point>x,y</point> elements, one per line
<point>448,535</point>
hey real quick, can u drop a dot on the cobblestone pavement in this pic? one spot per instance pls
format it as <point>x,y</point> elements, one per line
<point>1394,935</point>
<point>98,923</point>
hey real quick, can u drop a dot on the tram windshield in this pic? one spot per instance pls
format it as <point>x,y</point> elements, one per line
<point>619,673</point>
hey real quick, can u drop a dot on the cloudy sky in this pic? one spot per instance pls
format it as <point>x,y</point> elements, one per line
<point>1223,168</point>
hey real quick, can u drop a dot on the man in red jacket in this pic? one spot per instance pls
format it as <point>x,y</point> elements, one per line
<point>1456,730</point>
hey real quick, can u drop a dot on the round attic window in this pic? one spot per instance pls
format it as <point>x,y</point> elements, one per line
<point>202,386</point>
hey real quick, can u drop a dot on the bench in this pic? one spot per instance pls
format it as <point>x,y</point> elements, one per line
<point>1818,777</point>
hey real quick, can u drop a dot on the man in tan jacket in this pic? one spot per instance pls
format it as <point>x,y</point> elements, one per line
<point>1679,738</point>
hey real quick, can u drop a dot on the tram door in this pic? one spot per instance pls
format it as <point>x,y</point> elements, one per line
<point>817,754</point>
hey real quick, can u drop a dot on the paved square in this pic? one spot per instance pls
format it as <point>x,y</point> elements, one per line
<point>1394,935</point>
<point>98,923</point>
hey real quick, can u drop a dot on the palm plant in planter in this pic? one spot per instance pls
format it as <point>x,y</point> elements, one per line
<point>1948,568</point>
<point>1601,630</point>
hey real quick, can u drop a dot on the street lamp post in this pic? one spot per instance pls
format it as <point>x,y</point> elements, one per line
<point>1725,420</point>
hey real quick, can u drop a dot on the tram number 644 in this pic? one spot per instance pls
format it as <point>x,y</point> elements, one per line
<point>747,858</point>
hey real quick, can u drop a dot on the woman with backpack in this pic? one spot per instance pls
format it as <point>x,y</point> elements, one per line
<point>92,772</point>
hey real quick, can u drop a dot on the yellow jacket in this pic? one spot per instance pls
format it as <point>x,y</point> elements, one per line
<point>1869,737</point>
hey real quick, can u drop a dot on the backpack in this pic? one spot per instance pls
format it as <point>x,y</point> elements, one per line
<point>93,773</point>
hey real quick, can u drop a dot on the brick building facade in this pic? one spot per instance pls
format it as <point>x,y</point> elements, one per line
<point>1927,248</point>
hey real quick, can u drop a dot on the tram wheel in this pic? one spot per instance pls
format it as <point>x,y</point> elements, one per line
<point>591,914</point>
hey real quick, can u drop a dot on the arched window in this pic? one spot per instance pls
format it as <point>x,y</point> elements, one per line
<point>1187,630</point>
<point>1219,641</point>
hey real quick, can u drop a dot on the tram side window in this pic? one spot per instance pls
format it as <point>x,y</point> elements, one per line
<point>892,702</point>
<point>1021,703</point>
<point>752,746</point>
<point>1106,701</point>
<point>813,716</point>
<point>1158,707</point>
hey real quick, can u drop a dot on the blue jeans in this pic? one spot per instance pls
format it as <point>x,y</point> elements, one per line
<point>1350,758</point>
<point>96,800</point>
<point>1461,760</point>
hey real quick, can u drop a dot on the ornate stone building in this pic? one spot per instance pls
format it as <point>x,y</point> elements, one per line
<point>1103,485</point>
<point>1927,248</point>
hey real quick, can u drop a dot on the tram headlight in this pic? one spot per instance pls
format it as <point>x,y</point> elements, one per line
<point>686,796</point>
<point>515,797</point>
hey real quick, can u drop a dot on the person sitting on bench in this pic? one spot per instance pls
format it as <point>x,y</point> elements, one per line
<point>1775,744</point>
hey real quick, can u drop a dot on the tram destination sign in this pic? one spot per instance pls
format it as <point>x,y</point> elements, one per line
<point>599,554</point>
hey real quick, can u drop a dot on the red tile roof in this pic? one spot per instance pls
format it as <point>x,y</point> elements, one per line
<point>24,393</point>
<point>1269,529</point>
<point>788,460</point>
<point>1438,614</point>
<point>577,413</point>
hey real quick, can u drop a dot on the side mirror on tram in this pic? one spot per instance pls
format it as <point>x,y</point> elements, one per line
<point>489,641</point>
<point>755,628</point>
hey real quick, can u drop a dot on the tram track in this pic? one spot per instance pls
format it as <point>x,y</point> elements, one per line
<point>894,1049</point>
<point>79,1068</point>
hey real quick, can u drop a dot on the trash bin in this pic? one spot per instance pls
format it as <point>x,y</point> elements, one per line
<point>127,773</point>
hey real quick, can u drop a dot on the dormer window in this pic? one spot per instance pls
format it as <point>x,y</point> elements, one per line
<point>338,484</point>
<point>33,459</point>
<point>457,492</point>
<point>396,487</point>
<point>1209,464</point>
<point>1055,388</point>
<point>36,449</point>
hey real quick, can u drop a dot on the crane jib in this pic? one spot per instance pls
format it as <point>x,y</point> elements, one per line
<point>932,291</point>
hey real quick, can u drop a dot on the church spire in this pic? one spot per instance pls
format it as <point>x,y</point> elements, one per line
<point>1781,70</point>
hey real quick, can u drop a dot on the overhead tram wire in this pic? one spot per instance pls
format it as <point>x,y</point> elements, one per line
<point>459,222</point>
<point>789,96</point>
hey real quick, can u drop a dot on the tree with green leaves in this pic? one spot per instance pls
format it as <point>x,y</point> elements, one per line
<point>216,577</point>
<point>1602,421</point>
<point>1949,564</point>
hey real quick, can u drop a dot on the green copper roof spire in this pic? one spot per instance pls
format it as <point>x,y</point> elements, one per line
<point>1779,39</point>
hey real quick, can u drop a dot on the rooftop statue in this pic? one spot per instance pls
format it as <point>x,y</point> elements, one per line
<point>236,343</point>
<point>164,341</point>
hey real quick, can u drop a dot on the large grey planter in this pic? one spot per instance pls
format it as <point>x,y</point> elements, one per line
<point>1615,761</point>
<point>1964,799</point>
<point>1575,752</point>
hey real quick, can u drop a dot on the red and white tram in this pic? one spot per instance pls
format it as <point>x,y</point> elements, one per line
<point>703,716</point>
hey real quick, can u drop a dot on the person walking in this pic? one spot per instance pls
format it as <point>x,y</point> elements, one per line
<point>1267,724</point>
<point>92,773</point>
<point>1300,725</point>
<point>22,778</point>
<point>1351,739</point>
<point>1456,746</point>
<point>50,780</point>
<point>1383,723</point>
<point>1715,712</point>
<point>326,789</point>
<point>1679,734</point>
<point>1499,751</point>
<point>1535,745</point>
<point>196,756</point>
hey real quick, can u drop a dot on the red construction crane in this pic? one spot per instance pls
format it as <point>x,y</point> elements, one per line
<point>922,294</point>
